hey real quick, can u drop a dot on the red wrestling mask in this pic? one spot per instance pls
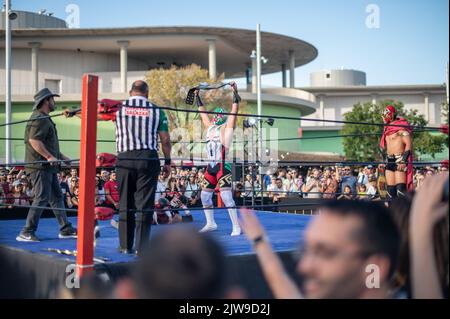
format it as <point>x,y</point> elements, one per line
<point>389,114</point>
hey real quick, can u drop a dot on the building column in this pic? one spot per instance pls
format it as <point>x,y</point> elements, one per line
<point>374,99</point>
<point>322,109</point>
<point>254,76</point>
<point>427,106</point>
<point>283,75</point>
<point>291,69</point>
<point>212,55</point>
<point>123,64</point>
<point>34,65</point>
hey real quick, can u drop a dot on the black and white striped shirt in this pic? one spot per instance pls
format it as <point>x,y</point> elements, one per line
<point>137,125</point>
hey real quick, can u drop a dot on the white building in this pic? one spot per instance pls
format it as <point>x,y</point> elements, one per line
<point>337,91</point>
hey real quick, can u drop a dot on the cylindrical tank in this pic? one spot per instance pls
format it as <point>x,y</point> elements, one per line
<point>28,20</point>
<point>337,78</point>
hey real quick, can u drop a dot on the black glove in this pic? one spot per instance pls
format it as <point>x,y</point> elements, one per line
<point>405,156</point>
<point>383,154</point>
<point>236,97</point>
<point>73,113</point>
<point>199,100</point>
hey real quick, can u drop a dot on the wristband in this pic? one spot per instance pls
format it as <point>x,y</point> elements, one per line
<point>167,161</point>
<point>199,101</point>
<point>405,156</point>
<point>259,239</point>
<point>236,98</point>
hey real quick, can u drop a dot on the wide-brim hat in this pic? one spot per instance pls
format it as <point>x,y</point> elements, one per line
<point>42,95</point>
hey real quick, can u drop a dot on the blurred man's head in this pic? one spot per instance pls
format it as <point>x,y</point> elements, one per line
<point>316,173</point>
<point>344,245</point>
<point>73,172</point>
<point>113,176</point>
<point>279,182</point>
<point>273,180</point>
<point>373,181</point>
<point>139,88</point>
<point>347,170</point>
<point>105,175</point>
<point>92,286</point>
<point>181,264</point>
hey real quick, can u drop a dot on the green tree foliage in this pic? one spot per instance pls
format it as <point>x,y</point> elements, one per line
<point>366,146</point>
<point>444,111</point>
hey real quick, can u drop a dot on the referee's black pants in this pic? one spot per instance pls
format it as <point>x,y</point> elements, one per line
<point>137,176</point>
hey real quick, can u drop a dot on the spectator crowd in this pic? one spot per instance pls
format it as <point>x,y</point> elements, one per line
<point>332,182</point>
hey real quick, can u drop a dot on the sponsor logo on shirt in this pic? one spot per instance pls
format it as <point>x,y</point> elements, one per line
<point>137,112</point>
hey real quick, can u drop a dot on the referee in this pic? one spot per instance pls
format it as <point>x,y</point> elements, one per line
<point>138,124</point>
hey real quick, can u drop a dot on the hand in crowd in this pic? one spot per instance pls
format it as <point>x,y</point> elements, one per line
<point>428,208</point>
<point>250,224</point>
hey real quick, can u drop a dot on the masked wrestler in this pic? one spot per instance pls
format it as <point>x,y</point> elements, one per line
<point>396,146</point>
<point>167,211</point>
<point>218,172</point>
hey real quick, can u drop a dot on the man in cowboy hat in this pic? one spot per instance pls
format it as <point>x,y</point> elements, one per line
<point>42,147</point>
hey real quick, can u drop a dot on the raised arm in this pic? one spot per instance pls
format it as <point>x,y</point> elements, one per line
<point>232,118</point>
<point>228,129</point>
<point>201,108</point>
<point>427,210</point>
<point>281,285</point>
<point>164,136</point>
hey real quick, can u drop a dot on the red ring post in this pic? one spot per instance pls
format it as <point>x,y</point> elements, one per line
<point>219,199</point>
<point>85,241</point>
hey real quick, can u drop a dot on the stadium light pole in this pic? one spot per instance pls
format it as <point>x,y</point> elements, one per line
<point>258,88</point>
<point>8,16</point>
<point>446,82</point>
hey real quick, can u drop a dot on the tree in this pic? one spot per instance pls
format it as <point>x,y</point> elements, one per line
<point>444,111</point>
<point>169,87</point>
<point>365,146</point>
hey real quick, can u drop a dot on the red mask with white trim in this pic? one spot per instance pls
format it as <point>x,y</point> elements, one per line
<point>389,114</point>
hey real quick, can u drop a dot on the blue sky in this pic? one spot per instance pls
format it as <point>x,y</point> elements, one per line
<point>409,47</point>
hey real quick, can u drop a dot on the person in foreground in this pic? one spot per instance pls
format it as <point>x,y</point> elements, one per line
<point>429,269</point>
<point>180,263</point>
<point>349,251</point>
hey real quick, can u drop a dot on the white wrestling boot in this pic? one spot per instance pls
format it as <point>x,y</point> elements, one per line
<point>210,222</point>
<point>234,220</point>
